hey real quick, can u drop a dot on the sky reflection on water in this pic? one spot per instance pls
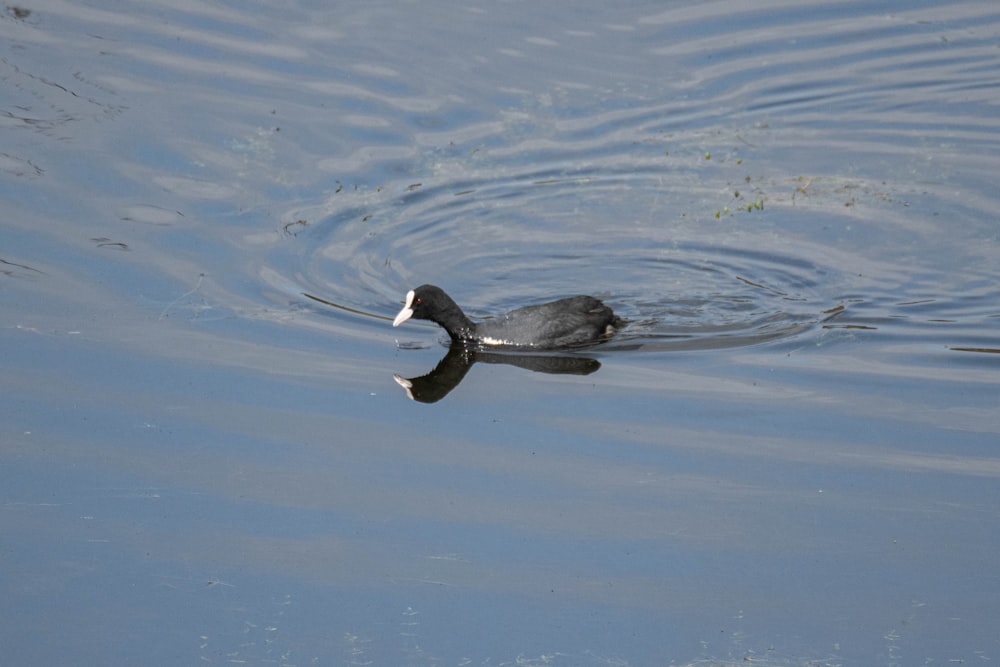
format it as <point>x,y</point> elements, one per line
<point>789,457</point>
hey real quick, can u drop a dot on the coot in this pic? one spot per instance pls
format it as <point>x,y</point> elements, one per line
<point>571,322</point>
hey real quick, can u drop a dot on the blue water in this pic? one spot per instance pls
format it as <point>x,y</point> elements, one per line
<point>789,456</point>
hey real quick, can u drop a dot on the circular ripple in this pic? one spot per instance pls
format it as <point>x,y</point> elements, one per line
<point>500,240</point>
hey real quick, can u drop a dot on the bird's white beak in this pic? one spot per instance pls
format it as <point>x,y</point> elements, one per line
<point>404,315</point>
<point>407,311</point>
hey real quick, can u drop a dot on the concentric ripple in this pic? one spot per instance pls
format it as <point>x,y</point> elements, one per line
<point>680,278</point>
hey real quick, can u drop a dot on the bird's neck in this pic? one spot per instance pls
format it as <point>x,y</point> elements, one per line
<point>455,322</point>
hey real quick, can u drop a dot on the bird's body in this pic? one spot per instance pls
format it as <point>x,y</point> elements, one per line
<point>570,322</point>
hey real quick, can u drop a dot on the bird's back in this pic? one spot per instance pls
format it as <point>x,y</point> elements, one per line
<point>569,322</point>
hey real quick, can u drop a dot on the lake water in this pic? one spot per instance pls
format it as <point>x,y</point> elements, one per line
<point>210,212</point>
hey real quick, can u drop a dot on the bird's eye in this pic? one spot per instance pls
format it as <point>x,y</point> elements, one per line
<point>419,301</point>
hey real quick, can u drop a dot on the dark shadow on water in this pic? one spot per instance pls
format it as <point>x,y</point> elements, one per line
<point>450,371</point>
<point>655,337</point>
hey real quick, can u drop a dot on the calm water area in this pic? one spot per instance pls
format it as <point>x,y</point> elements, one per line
<point>210,211</point>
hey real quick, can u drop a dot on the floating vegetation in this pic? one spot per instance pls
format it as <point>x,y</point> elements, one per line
<point>742,204</point>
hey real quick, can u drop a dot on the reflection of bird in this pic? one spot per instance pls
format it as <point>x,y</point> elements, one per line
<point>571,322</point>
<point>449,372</point>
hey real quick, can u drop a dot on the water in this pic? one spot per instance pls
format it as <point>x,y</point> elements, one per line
<point>788,456</point>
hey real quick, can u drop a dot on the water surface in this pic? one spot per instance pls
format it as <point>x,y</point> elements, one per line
<point>788,456</point>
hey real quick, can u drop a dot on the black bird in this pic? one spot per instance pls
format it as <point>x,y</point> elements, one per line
<point>570,322</point>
